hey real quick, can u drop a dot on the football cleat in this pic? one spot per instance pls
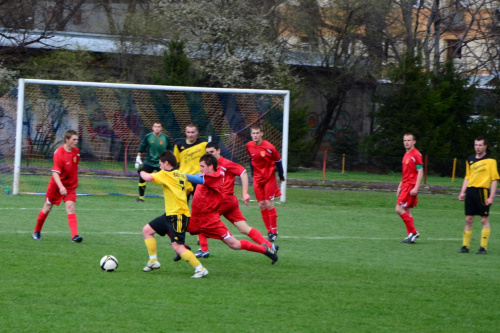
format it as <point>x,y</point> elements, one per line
<point>200,273</point>
<point>481,250</point>
<point>36,236</point>
<point>151,266</point>
<point>463,249</point>
<point>272,236</point>
<point>202,254</point>
<point>139,200</point>
<point>411,238</point>
<point>271,253</point>
<point>77,239</point>
<point>178,257</point>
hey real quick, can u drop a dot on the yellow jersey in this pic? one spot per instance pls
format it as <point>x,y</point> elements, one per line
<point>175,187</point>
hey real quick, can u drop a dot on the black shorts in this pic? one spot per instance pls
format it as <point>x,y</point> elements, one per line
<point>149,169</point>
<point>173,225</point>
<point>475,201</point>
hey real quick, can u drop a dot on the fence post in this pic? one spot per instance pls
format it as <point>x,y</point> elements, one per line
<point>425,168</point>
<point>343,163</point>
<point>454,169</point>
<point>325,155</point>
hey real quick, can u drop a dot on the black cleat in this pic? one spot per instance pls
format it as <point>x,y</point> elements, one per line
<point>410,239</point>
<point>463,249</point>
<point>36,236</point>
<point>481,250</point>
<point>77,239</point>
<point>272,253</point>
<point>178,257</point>
<point>139,200</point>
<point>272,236</point>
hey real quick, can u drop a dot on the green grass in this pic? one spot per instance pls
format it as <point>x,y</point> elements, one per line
<point>341,268</point>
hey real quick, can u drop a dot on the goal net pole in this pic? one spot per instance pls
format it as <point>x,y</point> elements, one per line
<point>21,113</point>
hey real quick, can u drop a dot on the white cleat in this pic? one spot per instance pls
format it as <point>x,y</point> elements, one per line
<point>151,266</point>
<point>200,273</point>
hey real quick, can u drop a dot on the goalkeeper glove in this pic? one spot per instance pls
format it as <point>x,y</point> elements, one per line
<point>138,162</point>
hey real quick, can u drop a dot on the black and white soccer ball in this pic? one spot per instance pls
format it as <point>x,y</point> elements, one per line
<point>109,263</point>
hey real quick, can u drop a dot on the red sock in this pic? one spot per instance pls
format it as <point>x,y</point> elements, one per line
<point>73,224</point>
<point>265,218</point>
<point>273,220</point>
<point>408,220</point>
<point>203,242</point>
<point>257,237</point>
<point>40,221</point>
<point>249,246</point>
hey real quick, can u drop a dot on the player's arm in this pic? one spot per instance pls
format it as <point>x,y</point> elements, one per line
<point>147,176</point>
<point>244,186</point>
<point>398,191</point>
<point>279,167</point>
<point>420,175</point>
<point>142,147</point>
<point>195,179</point>
<point>465,184</point>
<point>59,183</point>
<point>493,189</point>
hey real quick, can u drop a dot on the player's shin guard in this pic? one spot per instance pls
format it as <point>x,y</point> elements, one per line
<point>485,236</point>
<point>203,242</point>
<point>191,259</point>
<point>467,236</point>
<point>265,217</point>
<point>273,220</point>
<point>257,237</point>
<point>408,220</point>
<point>249,246</point>
<point>152,249</point>
<point>142,189</point>
<point>40,221</point>
<point>73,224</point>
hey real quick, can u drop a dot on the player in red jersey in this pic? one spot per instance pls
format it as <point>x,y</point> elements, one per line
<point>205,218</point>
<point>265,161</point>
<point>408,187</point>
<point>230,207</point>
<point>62,185</point>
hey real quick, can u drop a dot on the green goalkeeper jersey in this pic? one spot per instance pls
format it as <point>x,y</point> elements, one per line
<point>155,145</point>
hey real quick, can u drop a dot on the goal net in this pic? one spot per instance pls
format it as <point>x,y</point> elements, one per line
<point>111,120</point>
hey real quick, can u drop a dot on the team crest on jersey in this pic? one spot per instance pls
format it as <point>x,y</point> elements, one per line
<point>161,142</point>
<point>152,141</point>
<point>262,153</point>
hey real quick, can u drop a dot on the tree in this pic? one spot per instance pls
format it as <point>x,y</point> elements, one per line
<point>436,108</point>
<point>176,67</point>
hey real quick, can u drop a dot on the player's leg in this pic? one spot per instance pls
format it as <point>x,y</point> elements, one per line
<point>403,207</point>
<point>272,191</point>
<point>485,234</point>
<point>203,250</point>
<point>235,244</point>
<point>72,221</point>
<point>42,216</point>
<point>150,241</point>
<point>253,233</point>
<point>467,234</point>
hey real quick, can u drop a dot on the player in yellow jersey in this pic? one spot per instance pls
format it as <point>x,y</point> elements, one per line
<point>176,218</point>
<point>478,191</point>
<point>189,150</point>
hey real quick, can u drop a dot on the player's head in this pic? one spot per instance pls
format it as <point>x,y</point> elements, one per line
<point>168,156</point>
<point>191,132</point>
<point>257,132</point>
<point>409,141</point>
<point>71,138</point>
<point>213,148</point>
<point>157,128</point>
<point>208,164</point>
<point>480,145</point>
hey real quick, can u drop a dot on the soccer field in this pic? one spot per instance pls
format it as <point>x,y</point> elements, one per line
<point>341,268</point>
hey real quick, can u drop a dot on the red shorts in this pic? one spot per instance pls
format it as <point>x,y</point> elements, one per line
<point>54,197</point>
<point>230,209</point>
<point>405,199</point>
<point>266,190</point>
<point>209,225</point>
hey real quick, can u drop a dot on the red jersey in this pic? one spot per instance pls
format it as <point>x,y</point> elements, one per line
<point>66,165</point>
<point>410,161</point>
<point>208,195</point>
<point>263,158</point>
<point>231,170</point>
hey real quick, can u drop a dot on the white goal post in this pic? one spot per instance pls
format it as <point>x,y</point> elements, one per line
<point>111,118</point>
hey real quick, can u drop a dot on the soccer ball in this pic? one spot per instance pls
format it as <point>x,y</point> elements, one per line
<point>109,263</point>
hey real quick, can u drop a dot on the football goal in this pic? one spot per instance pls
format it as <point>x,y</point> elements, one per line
<point>111,120</point>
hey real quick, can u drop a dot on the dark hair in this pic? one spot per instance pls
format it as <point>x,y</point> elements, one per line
<point>257,127</point>
<point>412,135</point>
<point>482,138</point>
<point>213,144</point>
<point>69,133</point>
<point>209,159</point>
<point>168,156</point>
